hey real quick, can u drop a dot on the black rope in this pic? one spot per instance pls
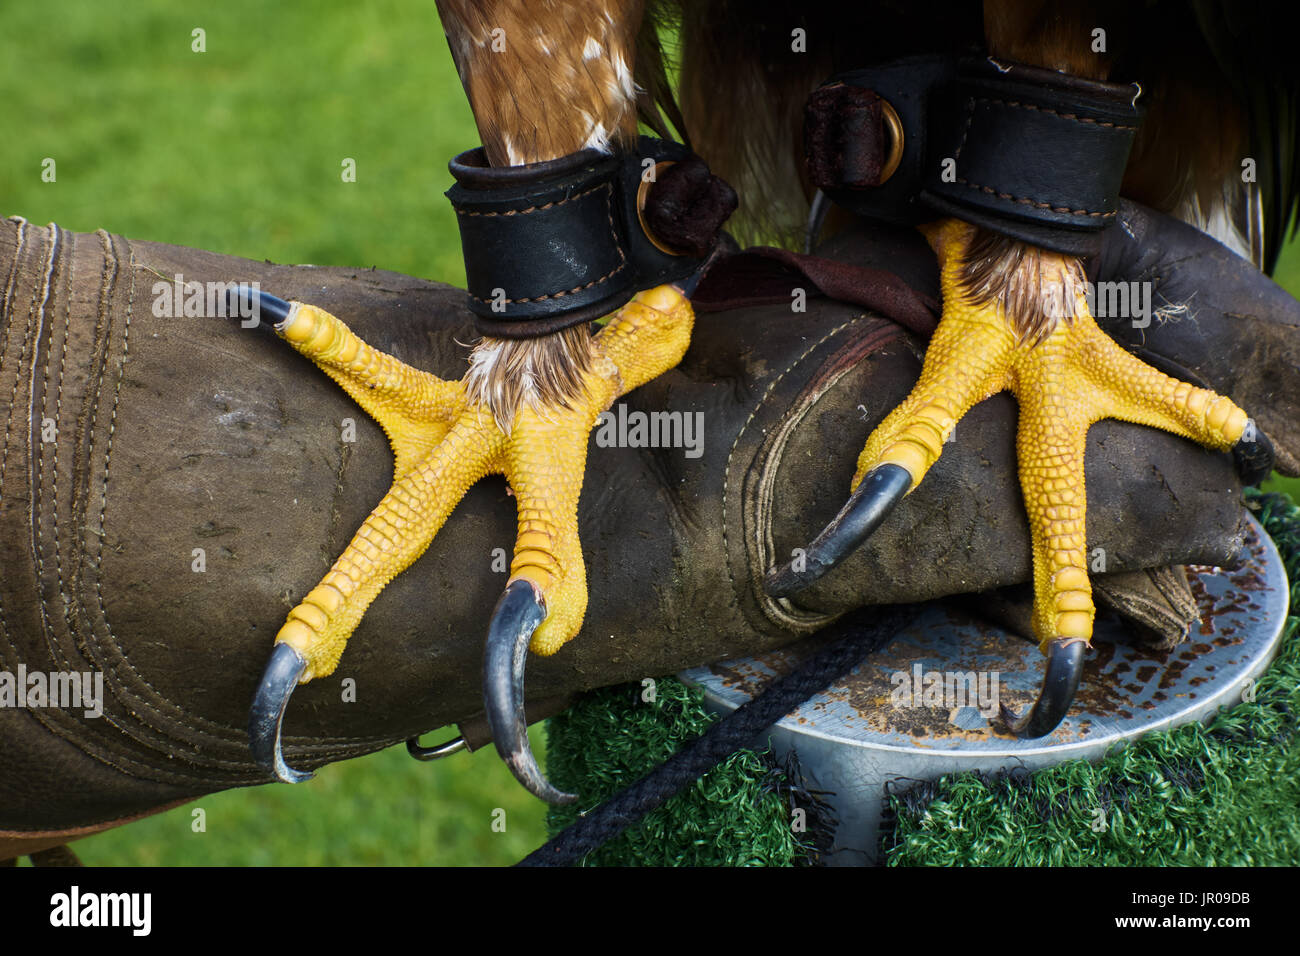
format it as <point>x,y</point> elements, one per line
<point>862,634</point>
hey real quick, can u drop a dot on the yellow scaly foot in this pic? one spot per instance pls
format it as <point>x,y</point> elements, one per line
<point>1065,377</point>
<point>443,443</point>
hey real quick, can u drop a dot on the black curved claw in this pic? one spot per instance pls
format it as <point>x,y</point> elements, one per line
<point>516,616</point>
<point>1254,459</point>
<point>882,488</point>
<point>687,285</point>
<point>245,301</point>
<point>278,683</point>
<point>1064,667</point>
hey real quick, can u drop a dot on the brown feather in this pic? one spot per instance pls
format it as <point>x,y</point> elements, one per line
<point>546,372</point>
<point>1036,289</point>
<point>544,79</point>
<point>1051,35</point>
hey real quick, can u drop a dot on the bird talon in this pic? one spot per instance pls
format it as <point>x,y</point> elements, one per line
<point>266,717</point>
<point>1255,458</point>
<point>443,441</point>
<point>1065,376</point>
<point>520,610</point>
<point>248,302</point>
<point>1060,682</point>
<point>876,495</point>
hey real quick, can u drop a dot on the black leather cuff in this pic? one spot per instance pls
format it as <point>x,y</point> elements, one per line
<point>551,245</point>
<point>1029,153</point>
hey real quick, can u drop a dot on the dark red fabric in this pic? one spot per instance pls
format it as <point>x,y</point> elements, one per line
<point>765,275</point>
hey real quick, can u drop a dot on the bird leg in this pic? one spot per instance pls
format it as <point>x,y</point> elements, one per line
<point>544,81</point>
<point>443,441</point>
<point>1016,317</point>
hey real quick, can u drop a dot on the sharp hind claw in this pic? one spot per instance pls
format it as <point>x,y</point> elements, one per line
<point>267,715</point>
<point>1254,459</point>
<point>246,302</point>
<point>877,494</point>
<point>1064,667</point>
<point>518,613</point>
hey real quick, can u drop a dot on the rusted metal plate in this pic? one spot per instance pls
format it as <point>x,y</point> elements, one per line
<point>927,704</point>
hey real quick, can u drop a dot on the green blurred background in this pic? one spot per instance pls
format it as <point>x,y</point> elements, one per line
<point>240,149</point>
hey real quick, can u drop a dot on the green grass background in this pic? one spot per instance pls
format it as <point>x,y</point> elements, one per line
<point>239,149</point>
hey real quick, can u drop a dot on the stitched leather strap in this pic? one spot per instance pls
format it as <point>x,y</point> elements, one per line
<point>551,245</point>
<point>1030,153</point>
<point>1039,155</point>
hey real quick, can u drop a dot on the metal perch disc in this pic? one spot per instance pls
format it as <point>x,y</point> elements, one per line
<point>871,727</point>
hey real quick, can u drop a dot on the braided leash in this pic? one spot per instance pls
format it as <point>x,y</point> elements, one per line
<point>862,634</point>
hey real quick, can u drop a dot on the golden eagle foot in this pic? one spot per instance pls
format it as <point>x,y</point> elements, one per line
<point>443,442</point>
<point>1064,380</point>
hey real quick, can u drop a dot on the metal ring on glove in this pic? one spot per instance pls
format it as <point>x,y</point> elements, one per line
<point>434,753</point>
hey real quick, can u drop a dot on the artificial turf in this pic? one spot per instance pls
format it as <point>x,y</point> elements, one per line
<point>741,813</point>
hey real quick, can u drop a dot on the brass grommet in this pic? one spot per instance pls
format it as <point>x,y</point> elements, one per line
<point>642,192</point>
<point>895,127</point>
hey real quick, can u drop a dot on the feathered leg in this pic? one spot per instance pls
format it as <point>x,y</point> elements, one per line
<point>544,79</point>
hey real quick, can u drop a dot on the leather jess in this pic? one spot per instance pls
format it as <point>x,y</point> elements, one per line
<point>551,245</point>
<point>1033,154</point>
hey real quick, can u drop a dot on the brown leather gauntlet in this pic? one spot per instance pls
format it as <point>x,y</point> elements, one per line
<point>138,449</point>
